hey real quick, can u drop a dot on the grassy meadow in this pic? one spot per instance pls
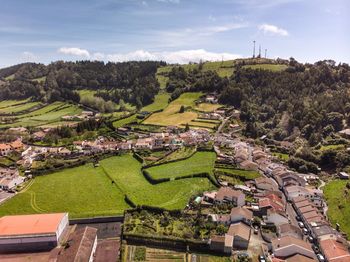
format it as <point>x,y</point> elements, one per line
<point>270,67</point>
<point>200,162</point>
<point>171,116</point>
<point>338,201</point>
<point>86,191</point>
<point>126,172</point>
<point>83,191</point>
<point>160,102</point>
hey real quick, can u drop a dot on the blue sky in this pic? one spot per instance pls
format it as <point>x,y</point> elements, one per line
<point>173,30</point>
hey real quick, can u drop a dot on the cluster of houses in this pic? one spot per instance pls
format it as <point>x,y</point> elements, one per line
<point>8,148</point>
<point>283,201</point>
<point>10,178</point>
<point>84,115</point>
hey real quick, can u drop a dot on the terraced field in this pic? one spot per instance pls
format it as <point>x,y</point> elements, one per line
<point>171,116</point>
<point>47,115</point>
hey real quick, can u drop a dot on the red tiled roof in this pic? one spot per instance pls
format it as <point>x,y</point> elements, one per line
<point>335,251</point>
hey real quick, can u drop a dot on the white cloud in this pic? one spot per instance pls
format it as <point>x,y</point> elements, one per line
<point>98,56</point>
<point>180,57</point>
<point>75,51</point>
<point>273,30</point>
<point>28,57</point>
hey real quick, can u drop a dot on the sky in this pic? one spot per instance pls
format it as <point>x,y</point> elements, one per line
<point>177,31</point>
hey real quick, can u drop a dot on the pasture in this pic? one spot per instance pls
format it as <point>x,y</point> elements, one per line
<point>126,172</point>
<point>171,116</point>
<point>338,200</point>
<point>207,107</point>
<point>161,100</point>
<point>125,121</point>
<point>270,67</point>
<point>83,191</point>
<point>245,174</point>
<point>47,115</point>
<point>200,162</point>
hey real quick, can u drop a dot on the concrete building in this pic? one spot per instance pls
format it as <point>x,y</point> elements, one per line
<point>82,246</point>
<point>37,232</point>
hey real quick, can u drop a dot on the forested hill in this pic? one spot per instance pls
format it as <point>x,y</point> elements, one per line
<point>134,82</point>
<point>297,100</point>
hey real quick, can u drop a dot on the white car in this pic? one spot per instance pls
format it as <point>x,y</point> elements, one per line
<point>320,257</point>
<point>301,224</point>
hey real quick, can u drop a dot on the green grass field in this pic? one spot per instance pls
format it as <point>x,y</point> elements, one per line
<point>83,191</point>
<point>338,201</point>
<point>126,172</point>
<point>200,162</point>
<point>86,191</point>
<point>270,67</point>
<point>171,116</point>
<point>10,103</point>
<point>19,107</point>
<point>281,156</point>
<point>160,102</point>
<point>40,79</point>
<point>334,147</point>
<point>125,121</point>
<point>246,174</point>
<point>207,107</point>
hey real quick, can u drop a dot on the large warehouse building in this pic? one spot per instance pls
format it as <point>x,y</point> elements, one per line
<point>32,232</point>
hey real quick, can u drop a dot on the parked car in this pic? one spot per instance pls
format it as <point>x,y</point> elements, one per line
<point>262,259</point>
<point>305,231</point>
<point>301,224</point>
<point>256,230</point>
<point>298,218</point>
<point>320,257</point>
<point>311,239</point>
<point>315,248</point>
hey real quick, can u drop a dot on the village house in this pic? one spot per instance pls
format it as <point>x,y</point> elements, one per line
<point>289,178</point>
<point>10,178</point>
<point>229,195</point>
<point>271,201</point>
<point>288,246</point>
<point>249,165</point>
<point>5,149</point>
<point>345,133</point>
<point>221,244</point>
<point>324,231</point>
<point>264,183</point>
<point>343,175</point>
<point>276,218</point>
<point>241,214</point>
<point>241,235</point>
<point>18,130</point>
<point>335,250</point>
<point>289,230</point>
<point>211,99</point>
<point>224,195</point>
<point>39,135</point>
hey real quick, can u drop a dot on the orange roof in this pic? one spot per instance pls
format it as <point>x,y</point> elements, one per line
<point>30,224</point>
<point>335,251</point>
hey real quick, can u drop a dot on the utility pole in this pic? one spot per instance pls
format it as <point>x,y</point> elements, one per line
<point>254,49</point>
<point>259,51</point>
<point>265,53</point>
